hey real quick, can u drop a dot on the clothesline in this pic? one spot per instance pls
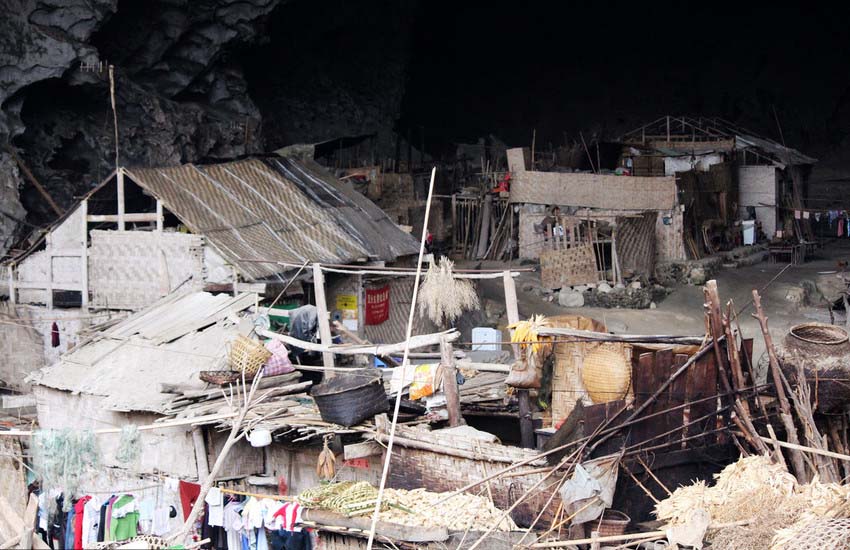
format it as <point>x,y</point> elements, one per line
<point>257,495</point>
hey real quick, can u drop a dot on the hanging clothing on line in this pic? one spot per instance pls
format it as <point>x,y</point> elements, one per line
<point>79,513</point>
<point>189,493</point>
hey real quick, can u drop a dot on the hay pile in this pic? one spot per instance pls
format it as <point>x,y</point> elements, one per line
<point>442,297</point>
<point>756,488</point>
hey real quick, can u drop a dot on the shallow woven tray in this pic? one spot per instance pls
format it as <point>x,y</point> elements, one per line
<point>222,377</point>
<point>819,333</point>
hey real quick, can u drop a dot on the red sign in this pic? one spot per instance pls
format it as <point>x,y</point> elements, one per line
<point>357,463</point>
<point>377,305</point>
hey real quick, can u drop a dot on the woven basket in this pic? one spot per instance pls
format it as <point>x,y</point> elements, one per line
<point>247,355</point>
<point>221,377</point>
<point>819,333</point>
<point>612,523</point>
<point>606,375</point>
<point>349,399</point>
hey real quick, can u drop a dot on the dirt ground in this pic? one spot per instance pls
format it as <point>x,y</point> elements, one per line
<point>681,312</point>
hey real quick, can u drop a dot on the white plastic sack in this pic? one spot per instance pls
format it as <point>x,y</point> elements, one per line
<point>591,489</point>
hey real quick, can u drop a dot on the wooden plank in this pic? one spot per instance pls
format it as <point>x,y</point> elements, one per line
<point>112,218</point>
<point>324,317</point>
<point>362,450</point>
<point>679,394</point>
<point>642,381</point>
<point>663,370</point>
<point>29,522</point>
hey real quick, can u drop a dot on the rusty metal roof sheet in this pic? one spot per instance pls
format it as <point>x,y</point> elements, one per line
<point>276,210</point>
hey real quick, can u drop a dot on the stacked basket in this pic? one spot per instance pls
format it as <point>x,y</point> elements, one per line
<point>247,356</point>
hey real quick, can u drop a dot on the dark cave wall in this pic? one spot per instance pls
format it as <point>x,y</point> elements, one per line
<point>195,80</point>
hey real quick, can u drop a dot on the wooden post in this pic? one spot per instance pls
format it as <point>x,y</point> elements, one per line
<point>84,255</point>
<point>447,363</point>
<point>361,307</point>
<point>48,292</point>
<point>200,453</point>
<point>120,194</point>
<point>526,422</point>
<point>13,293</point>
<point>784,407</point>
<point>715,329</point>
<point>29,521</point>
<point>324,317</point>
<point>160,219</point>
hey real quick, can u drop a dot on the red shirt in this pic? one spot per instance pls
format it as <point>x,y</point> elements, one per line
<point>79,508</point>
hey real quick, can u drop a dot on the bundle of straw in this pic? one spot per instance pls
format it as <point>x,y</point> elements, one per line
<point>442,297</point>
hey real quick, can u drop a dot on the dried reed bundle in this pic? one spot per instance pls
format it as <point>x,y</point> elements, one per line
<point>442,297</point>
<point>783,512</point>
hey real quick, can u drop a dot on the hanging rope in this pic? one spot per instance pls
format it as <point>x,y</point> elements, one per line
<point>114,111</point>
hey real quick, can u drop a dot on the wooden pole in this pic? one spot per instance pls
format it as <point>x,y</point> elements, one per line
<point>324,317</point>
<point>35,183</point>
<point>630,536</point>
<point>526,421</point>
<point>784,406</point>
<point>84,254</point>
<point>715,327</point>
<point>447,363</point>
<point>200,452</point>
<point>120,194</point>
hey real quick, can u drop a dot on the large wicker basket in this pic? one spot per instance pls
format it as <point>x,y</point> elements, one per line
<point>606,375</point>
<point>349,399</point>
<point>247,355</point>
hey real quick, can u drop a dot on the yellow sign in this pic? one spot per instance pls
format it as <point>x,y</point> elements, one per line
<point>346,301</point>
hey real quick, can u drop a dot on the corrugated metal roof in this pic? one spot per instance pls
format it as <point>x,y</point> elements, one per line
<point>784,155</point>
<point>167,343</point>
<point>275,210</point>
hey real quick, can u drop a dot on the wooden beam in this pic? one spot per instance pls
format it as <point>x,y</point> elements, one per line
<point>120,194</point>
<point>419,341</point>
<point>200,452</point>
<point>324,317</point>
<point>160,217</point>
<point>362,450</point>
<point>526,422</point>
<point>120,218</point>
<point>447,363</point>
<point>29,175</point>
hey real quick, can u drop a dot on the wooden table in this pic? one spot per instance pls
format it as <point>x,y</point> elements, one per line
<point>796,253</point>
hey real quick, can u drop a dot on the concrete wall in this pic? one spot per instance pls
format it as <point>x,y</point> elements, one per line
<point>25,338</point>
<point>757,186</point>
<point>169,451</point>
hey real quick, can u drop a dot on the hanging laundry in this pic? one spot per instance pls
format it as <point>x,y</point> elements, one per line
<point>215,500</point>
<point>233,525</point>
<point>54,335</point>
<point>288,517</point>
<point>91,523</point>
<point>79,513</point>
<point>189,493</point>
<point>125,518</point>
<point>805,214</point>
<point>840,227</point>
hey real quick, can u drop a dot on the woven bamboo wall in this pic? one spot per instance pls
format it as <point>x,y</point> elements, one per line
<point>669,243</point>
<point>636,243</point>
<point>594,191</point>
<point>567,385</point>
<point>131,269</point>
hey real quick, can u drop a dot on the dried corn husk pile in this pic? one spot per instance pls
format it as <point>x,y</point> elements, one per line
<point>756,488</point>
<point>442,297</point>
<point>459,514</point>
<point>413,508</point>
